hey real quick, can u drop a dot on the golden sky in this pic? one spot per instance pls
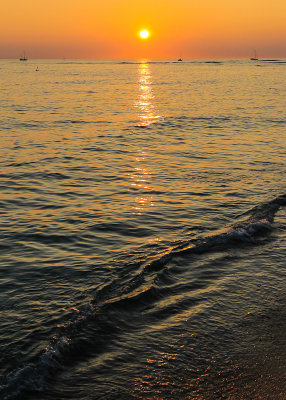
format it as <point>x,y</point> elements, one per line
<point>109,28</point>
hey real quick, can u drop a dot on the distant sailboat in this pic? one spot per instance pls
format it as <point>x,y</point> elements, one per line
<point>255,56</point>
<point>23,58</point>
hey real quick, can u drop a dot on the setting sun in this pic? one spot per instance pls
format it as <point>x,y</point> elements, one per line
<point>144,34</point>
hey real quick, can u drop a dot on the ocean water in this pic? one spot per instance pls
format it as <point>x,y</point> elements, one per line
<point>143,229</point>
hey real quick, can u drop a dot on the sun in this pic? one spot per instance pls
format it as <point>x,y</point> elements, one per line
<point>144,34</point>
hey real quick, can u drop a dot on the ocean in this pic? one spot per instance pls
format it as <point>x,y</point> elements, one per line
<point>143,229</point>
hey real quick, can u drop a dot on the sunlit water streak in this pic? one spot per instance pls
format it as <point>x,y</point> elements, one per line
<point>145,102</point>
<point>142,229</point>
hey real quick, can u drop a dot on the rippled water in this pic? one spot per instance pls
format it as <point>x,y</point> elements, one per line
<point>142,230</point>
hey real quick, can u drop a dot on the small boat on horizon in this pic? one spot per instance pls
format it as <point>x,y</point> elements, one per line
<point>255,56</point>
<point>180,59</point>
<point>23,58</point>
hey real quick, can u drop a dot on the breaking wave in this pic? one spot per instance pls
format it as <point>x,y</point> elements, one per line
<point>73,340</point>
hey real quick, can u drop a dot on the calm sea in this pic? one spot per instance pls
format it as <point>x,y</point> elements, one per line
<point>143,230</point>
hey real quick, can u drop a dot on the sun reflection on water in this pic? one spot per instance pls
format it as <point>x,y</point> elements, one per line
<point>147,114</point>
<point>140,182</point>
<point>145,101</point>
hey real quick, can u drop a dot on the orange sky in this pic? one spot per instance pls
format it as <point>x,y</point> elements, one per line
<point>109,28</point>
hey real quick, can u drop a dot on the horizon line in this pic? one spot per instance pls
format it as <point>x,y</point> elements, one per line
<point>140,58</point>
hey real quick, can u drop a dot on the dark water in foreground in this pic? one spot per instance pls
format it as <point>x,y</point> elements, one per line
<point>143,222</point>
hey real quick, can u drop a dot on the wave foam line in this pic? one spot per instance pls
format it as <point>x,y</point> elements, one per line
<point>260,221</point>
<point>34,376</point>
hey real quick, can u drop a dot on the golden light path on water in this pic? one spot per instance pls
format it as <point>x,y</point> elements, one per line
<point>147,115</point>
<point>145,102</point>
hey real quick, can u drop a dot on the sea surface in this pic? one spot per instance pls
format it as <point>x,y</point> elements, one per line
<point>143,229</point>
